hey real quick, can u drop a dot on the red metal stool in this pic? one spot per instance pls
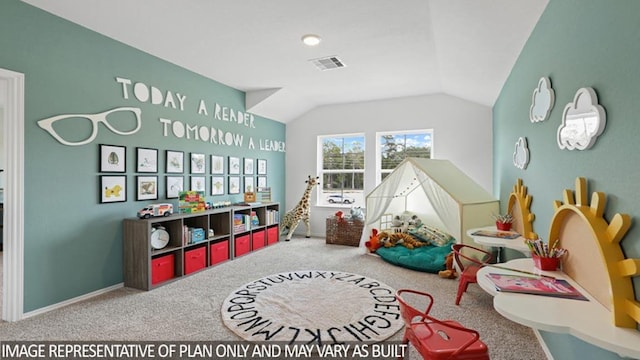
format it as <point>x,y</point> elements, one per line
<point>468,265</point>
<point>436,339</point>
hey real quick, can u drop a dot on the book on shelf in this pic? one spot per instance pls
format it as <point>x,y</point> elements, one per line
<point>255,220</point>
<point>535,286</point>
<point>272,217</point>
<point>497,234</point>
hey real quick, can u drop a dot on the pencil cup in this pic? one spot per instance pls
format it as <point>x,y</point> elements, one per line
<point>546,263</point>
<point>503,226</point>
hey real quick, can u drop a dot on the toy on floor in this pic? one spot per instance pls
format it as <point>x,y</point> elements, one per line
<point>374,241</point>
<point>403,239</point>
<point>450,272</point>
<point>301,212</point>
<point>357,213</point>
<point>415,222</point>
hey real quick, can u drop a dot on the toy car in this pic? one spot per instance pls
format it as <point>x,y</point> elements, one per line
<point>340,199</point>
<point>155,210</point>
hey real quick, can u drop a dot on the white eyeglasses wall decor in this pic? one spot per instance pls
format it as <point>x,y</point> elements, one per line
<point>583,120</point>
<point>521,154</point>
<point>123,115</point>
<point>542,101</point>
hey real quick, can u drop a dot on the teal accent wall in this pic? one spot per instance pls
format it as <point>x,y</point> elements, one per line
<point>73,244</point>
<point>576,43</point>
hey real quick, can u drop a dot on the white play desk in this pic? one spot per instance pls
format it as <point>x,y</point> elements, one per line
<point>517,244</point>
<point>586,320</point>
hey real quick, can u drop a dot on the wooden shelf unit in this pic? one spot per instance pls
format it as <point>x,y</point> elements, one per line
<point>146,268</point>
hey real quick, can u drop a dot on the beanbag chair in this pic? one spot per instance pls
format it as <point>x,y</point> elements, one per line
<point>426,258</point>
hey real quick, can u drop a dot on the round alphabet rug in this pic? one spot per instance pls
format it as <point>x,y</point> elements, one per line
<point>313,306</point>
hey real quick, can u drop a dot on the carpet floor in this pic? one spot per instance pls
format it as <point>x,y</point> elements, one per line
<point>189,309</point>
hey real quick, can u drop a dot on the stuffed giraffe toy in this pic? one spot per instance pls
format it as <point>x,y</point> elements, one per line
<point>301,212</point>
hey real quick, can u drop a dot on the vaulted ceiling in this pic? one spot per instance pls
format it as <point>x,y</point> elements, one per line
<point>464,48</point>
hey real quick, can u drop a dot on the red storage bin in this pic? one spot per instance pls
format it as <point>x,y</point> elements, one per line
<point>162,268</point>
<point>195,259</point>
<point>257,239</point>
<point>242,244</point>
<point>219,252</point>
<point>272,235</point>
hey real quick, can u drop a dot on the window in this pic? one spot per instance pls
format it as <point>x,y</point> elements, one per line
<point>341,169</point>
<point>393,147</point>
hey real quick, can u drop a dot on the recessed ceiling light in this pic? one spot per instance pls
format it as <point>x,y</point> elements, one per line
<point>311,40</point>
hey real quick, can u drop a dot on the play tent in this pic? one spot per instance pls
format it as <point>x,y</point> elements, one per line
<point>439,193</point>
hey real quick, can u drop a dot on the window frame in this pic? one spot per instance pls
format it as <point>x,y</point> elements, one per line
<point>320,194</point>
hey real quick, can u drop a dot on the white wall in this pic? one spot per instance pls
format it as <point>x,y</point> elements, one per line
<point>462,134</point>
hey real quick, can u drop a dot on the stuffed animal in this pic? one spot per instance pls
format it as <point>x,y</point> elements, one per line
<point>450,272</point>
<point>374,241</point>
<point>404,239</point>
<point>340,216</point>
<point>415,222</point>
<point>357,214</point>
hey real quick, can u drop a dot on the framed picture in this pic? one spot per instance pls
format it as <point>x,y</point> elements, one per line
<point>262,166</point>
<point>113,158</point>
<point>248,166</point>
<point>113,188</point>
<point>248,184</point>
<point>146,160</point>
<point>198,163</point>
<point>234,184</point>
<point>175,162</point>
<point>262,182</point>
<point>217,164</point>
<point>147,187</point>
<point>175,184</point>
<point>234,165</point>
<point>198,183</point>
<point>217,185</point>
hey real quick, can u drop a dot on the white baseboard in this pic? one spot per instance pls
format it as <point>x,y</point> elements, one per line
<point>543,344</point>
<point>72,301</point>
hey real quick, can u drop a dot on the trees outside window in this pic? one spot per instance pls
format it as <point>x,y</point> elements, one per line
<point>394,147</point>
<point>342,170</point>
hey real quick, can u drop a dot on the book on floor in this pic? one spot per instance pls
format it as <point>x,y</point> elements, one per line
<point>535,286</point>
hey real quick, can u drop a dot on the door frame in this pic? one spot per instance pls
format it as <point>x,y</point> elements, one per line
<point>13,229</point>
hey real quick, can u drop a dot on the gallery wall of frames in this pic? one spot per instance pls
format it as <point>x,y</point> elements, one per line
<point>213,174</point>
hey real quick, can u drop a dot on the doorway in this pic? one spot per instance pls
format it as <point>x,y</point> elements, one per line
<point>12,104</point>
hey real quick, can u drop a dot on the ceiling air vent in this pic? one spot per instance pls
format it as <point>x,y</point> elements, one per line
<point>328,63</point>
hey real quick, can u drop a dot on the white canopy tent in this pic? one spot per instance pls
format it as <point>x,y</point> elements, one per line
<point>439,193</point>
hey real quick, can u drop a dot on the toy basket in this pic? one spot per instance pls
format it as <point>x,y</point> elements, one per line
<point>344,231</point>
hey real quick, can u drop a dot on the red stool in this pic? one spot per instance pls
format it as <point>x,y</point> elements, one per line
<point>468,265</point>
<point>436,339</point>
